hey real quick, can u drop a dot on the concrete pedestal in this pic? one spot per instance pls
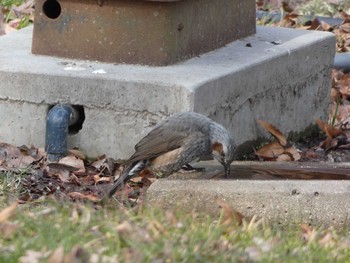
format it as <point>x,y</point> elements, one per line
<point>279,75</point>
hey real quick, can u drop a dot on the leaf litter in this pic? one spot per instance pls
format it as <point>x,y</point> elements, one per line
<point>73,177</point>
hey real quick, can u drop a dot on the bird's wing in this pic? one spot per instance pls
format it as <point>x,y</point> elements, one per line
<point>161,140</point>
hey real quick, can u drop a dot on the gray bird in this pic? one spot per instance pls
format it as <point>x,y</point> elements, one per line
<point>175,142</point>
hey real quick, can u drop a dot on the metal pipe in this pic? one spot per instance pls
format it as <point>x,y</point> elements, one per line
<point>59,118</point>
<point>342,62</point>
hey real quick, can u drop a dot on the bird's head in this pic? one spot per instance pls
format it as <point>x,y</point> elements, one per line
<point>223,147</point>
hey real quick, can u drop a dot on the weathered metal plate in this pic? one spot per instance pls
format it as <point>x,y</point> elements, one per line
<point>139,32</point>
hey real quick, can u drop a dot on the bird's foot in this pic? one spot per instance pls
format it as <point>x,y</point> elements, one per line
<point>190,169</point>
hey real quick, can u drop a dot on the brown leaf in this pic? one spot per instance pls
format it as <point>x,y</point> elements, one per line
<point>293,153</point>
<point>171,217</point>
<point>345,16</point>
<point>274,131</point>
<point>327,240</point>
<point>125,227</point>
<point>284,158</point>
<point>315,24</point>
<point>32,256</point>
<point>26,8</point>
<point>64,175</point>
<point>344,86</point>
<point>335,95</point>
<point>7,229</point>
<point>311,154</point>
<point>308,233</point>
<point>321,124</point>
<point>330,131</point>
<point>99,162</point>
<point>77,153</point>
<point>9,211</point>
<point>333,132</point>
<point>329,143</point>
<point>342,111</point>
<point>57,256</point>
<point>103,179</point>
<point>325,26</point>
<point>90,197</point>
<point>107,166</point>
<point>270,151</point>
<point>20,161</point>
<point>12,156</point>
<point>73,161</point>
<point>230,216</point>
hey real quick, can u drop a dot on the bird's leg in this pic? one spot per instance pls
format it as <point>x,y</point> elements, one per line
<point>187,168</point>
<point>227,171</point>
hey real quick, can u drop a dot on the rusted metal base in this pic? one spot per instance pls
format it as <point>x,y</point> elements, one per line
<point>156,32</point>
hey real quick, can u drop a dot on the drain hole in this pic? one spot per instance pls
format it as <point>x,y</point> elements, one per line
<point>52,9</point>
<point>78,124</point>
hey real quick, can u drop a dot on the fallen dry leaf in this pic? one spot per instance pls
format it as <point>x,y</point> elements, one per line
<point>274,131</point>
<point>171,217</point>
<point>90,197</point>
<point>230,216</point>
<point>308,233</point>
<point>26,8</point>
<point>330,131</point>
<point>12,157</point>
<point>329,144</point>
<point>32,256</point>
<point>284,158</point>
<point>293,153</point>
<point>124,227</point>
<point>9,211</point>
<point>64,175</point>
<point>73,161</point>
<point>7,229</point>
<point>77,153</point>
<point>99,162</point>
<point>270,151</point>
<point>327,240</point>
<point>103,179</point>
<point>335,95</point>
<point>57,256</point>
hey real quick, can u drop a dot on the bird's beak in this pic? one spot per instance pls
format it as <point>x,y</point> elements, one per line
<point>227,170</point>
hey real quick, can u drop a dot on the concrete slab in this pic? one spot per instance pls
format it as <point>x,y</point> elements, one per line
<point>314,202</point>
<point>279,75</point>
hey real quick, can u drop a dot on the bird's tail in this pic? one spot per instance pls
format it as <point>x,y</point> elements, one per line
<point>132,171</point>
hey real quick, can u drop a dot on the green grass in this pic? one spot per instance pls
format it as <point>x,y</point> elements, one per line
<point>323,8</point>
<point>10,182</point>
<point>151,234</point>
<point>9,13</point>
<point>9,3</point>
